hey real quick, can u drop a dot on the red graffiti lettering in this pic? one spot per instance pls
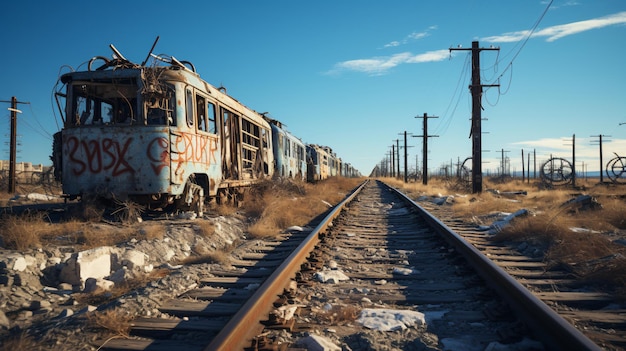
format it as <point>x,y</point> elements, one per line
<point>158,153</point>
<point>98,156</point>
<point>193,148</point>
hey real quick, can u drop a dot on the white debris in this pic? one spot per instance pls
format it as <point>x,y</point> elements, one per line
<point>583,230</point>
<point>286,312</point>
<point>404,271</point>
<point>94,263</point>
<point>390,320</point>
<point>503,219</point>
<point>297,228</point>
<point>331,276</point>
<point>317,343</point>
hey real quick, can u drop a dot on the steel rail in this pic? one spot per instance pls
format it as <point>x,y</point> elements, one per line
<point>240,330</point>
<point>554,330</point>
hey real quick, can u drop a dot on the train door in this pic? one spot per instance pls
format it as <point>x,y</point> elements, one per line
<point>207,153</point>
<point>231,139</point>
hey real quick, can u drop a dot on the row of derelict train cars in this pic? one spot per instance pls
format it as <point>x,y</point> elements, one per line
<point>161,136</point>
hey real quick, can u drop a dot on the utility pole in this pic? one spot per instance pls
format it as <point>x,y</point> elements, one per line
<point>425,137</point>
<point>398,158</point>
<point>534,164</point>
<point>13,143</point>
<point>573,160</point>
<point>503,162</point>
<point>476,89</point>
<point>523,170</point>
<point>406,166</point>
<point>601,162</point>
<point>393,160</point>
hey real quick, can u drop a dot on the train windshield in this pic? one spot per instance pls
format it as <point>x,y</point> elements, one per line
<point>118,102</point>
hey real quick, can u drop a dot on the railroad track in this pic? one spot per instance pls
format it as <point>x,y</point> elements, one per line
<point>381,258</point>
<point>597,314</point>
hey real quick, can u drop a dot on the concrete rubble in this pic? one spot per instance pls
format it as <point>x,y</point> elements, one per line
<point>41,286</point>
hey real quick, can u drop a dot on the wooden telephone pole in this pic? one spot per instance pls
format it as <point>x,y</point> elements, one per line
<point>476,90</point>
<point>425,137</point>
<point>13,143</point>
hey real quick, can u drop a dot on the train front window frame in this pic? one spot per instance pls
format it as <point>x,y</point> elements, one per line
<point>95,103</point>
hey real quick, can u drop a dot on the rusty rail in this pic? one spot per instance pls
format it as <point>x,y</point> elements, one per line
<point>553,329</point>
<point>240,330</point>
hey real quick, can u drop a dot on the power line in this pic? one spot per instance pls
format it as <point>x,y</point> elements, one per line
<point>525,40</point>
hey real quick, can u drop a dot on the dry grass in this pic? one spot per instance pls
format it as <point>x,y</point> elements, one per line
<point>213,257</point>
<point>35,231</point>
<point>276,205</point>
<point>152,231</point>
<point>19,342</point>
<point>99,297</point>
<point>115,321</point>
<point>22,232</point>
<point>205,228</point>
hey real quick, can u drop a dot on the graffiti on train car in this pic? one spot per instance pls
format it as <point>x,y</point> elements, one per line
<point>189,147</point>
<point>109,155</point>
<point>158,154</point>
<point>102,155</point>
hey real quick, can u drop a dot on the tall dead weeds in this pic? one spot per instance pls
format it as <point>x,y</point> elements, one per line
<point>279,204</point>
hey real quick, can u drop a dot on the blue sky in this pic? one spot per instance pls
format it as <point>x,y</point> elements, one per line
<point>352,75</point>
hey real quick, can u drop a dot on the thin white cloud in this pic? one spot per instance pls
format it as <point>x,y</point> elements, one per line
<point>411,37</point>
<point>560,31</point>
<point>546,144</point>
<point>380,65</point>
<point>559,5</point>
<point>586,148</point>
<point>392,44</point>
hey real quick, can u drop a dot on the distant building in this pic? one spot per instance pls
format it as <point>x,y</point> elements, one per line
<point>26,172</point>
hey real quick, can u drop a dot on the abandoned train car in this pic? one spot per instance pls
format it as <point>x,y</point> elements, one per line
<point>318,162</point>
<point>159,135</point>
<point>289,152</point>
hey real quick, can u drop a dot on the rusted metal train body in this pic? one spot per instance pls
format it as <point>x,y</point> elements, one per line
<point>289,153</point>
<point>163,137</point>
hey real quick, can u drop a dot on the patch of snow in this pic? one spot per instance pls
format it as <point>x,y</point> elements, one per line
<point>405,271</point>
<point>390,320</point>
<point>41,197</point>
<point>583,230</point>
<point>331,276</point>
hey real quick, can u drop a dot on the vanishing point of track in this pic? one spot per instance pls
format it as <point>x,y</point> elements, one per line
<point>395,257</point>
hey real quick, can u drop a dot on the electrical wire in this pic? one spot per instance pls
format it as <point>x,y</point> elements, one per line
<point>523,42</point>
<point>42,130</point>
<point>446,119</point>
